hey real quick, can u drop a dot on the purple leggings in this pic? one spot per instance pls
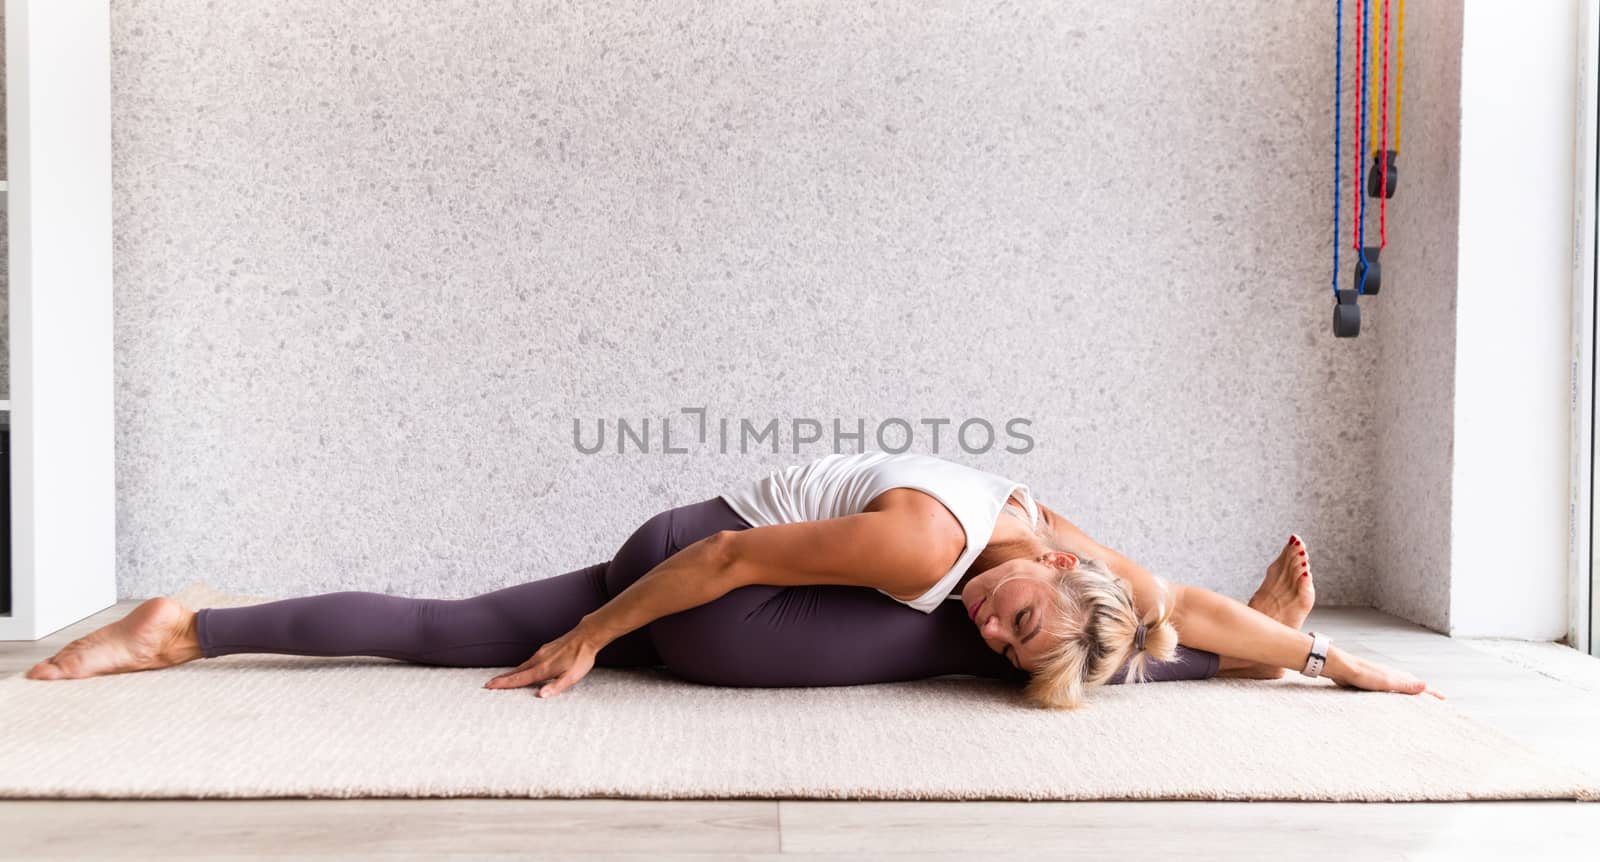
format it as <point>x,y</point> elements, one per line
<point>763,636</point>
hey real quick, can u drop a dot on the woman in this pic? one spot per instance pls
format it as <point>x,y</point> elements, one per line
<point>763,586</point>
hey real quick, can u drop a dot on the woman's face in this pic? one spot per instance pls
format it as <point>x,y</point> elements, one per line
<point>1010,602</point>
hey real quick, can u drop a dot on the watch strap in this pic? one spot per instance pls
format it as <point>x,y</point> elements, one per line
<point>1319,654</point>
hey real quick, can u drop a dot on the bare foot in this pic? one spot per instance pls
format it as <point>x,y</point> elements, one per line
<point>1287,596</point>
<point>158,633</point>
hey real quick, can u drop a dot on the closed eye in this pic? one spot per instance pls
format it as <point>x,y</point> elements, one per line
<point>1016,628</point>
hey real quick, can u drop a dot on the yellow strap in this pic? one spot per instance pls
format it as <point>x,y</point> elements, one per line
<point>1374,67</point>
<point>1400,78</point>
<point>1375,38</point>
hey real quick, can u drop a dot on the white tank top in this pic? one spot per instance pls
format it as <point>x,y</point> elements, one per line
<point>837,485</point>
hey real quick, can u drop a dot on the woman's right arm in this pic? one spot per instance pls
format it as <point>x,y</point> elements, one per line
<point>894,551</point>
<point>692,577</point>
<point>902,550</point>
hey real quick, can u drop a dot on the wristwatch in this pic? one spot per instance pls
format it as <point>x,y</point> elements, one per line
<point>1319,655</point>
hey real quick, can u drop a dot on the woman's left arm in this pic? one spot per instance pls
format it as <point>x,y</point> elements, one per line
<point>1205,620</point>
<point>1209,621</point>
<point>1216,623</point>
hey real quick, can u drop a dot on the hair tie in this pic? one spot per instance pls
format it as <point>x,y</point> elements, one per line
<point>1138,638</point>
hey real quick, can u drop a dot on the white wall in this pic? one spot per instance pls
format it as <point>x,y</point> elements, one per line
<point>1509,521</point>
<point>1413,319</point>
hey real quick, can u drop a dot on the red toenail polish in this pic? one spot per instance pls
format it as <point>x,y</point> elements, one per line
<point>1302,553</point>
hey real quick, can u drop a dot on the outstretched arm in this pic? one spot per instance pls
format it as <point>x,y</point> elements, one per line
<point>1209,621</point>
<point>1216,623</point>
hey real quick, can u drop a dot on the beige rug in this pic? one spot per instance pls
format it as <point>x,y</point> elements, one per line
<point>285,726</point>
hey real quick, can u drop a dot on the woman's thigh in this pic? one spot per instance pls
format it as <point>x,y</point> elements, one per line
<point>770,636</point>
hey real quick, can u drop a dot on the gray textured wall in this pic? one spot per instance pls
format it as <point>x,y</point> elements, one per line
<point>1417,340</point>
<point>372,261</point>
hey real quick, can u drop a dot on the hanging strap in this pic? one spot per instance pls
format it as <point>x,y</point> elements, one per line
<point>1363,108</point>
<point>1400,78</point>
<point>1372,98</point>
<point>1383,154</point>
<point>1338,119</point>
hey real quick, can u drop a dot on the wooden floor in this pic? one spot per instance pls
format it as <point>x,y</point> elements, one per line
<point>1548,696</point>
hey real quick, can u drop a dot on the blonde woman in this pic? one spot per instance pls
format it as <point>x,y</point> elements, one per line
<point>851,569</point>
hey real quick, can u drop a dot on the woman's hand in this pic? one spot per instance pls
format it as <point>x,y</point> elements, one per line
<point>566,660</point>
<point>1353,671</point>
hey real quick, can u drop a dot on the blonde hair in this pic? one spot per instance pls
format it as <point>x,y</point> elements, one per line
<point>1094,621</point>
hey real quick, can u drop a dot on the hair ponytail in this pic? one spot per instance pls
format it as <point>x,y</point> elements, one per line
<point>1160,640</point>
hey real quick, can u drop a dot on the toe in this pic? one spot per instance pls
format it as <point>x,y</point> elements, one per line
<point>69,665</point>
<point>1286,558</point>
<point>44,670</point>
